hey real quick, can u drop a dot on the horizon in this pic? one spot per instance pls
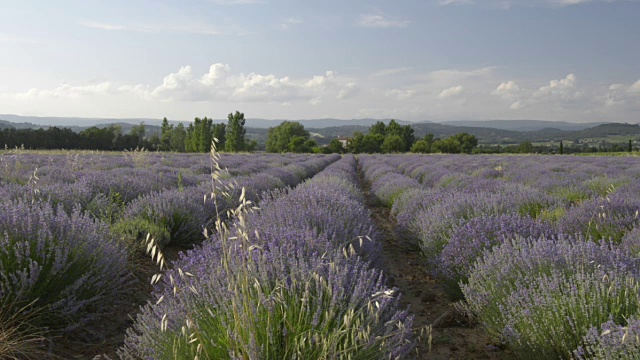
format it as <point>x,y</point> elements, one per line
<point>436,60</point>
<point>26,118</point>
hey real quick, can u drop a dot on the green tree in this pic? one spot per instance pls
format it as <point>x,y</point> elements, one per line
<point>166,131</point>
<point>561,148</point>
<point>393,128</point>
<point>421,146</point>
<point>235,132</point>
<point>378,128</point>
<point>525,147</point>
<point>393,143</point>
<point>199,135</point>
<point>279,138</point>
<point>467,142</point>
<point>178,138</point>
<point>371,143</point>
<point>219,132</point>
<point>250,145</point>
<point>296,144</point>
<point>138,132</point>
<point>355,145</point>
<point>448,146</point>
<point>335,146</point>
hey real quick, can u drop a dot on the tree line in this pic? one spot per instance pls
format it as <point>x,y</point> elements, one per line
<point>289,136</point>
<point>196,137</point>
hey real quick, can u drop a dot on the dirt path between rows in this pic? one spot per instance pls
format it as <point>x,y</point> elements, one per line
<point>452,334</point>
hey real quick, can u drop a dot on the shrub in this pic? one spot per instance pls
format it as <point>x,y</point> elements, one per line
<point>603,218</point>
<point>282,294</point>
<point>67,265</point>
<point>468,242</point>
<point>612,341</point>
<point>170,216</point>
<point>541,297</point>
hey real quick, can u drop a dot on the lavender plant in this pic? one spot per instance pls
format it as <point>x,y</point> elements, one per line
<point>542,296</point>
<point>611,341</point>
<point>67,265</point>
<point>279,292</point>
<point>607,218</point>
<point>468,243</point>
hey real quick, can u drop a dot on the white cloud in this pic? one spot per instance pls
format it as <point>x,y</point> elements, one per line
<point>290,22</point>
<point>506,88</point>
<point>451,92</point>
<point>509,91</point>
<point>564,89</point>
<point>349,90</point>
<point>455,2</point>
<point>393,71</point>
<point>508,4</point>
<point>449,75</point>
<point>380,20</point>
<point>220,83</point>
<point>401,94</point>
<point>66,90</point>
<point>195,28</point>
<point>236,2</point>
<point>516,105</point>
<point>436,95</point>
<point>16,39</point>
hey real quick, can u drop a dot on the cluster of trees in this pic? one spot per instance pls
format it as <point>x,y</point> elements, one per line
<point>289,136</point>
<point>93,138</point>
<point>462,143</point>
<point>392,138</point>
<point>198,135</point>
<point>527,147</point>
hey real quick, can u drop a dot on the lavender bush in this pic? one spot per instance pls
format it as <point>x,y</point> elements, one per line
<point>541,296</point>
<point>276,291</point>
<point>271,304</point>
<point>612,341</point>
<point>67,265</point>
<point>478,235</point>
<point>607,218</point>
<point>171,216</point>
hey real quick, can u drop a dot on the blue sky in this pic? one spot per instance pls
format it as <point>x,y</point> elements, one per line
<point>570,60</point>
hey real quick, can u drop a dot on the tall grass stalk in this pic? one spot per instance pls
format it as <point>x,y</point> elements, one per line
<point>18,338</point>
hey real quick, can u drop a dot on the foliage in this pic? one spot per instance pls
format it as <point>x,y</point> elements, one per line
<point>542,296</point>
<point>456,144</point>
<point>235,132</point>
<point>278,292</point>
<point>281,138</point>
<point>68,266</point>
<point>423,145</point>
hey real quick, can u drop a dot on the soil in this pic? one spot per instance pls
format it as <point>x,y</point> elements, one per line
<point>101,340</point>
<point>446,332</point>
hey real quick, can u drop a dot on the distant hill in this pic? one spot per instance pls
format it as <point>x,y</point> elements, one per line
<point>523,125</point>
<point>73,121</point>
<point>321,123</point>
<point>605,130</point>
<point>250,122</point>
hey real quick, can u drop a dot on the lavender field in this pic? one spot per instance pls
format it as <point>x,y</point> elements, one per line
<point>269,256</point>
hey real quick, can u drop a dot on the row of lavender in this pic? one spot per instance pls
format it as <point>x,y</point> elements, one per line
<point>293,280</point>
<point>64,250</point>
<point>543,250</point>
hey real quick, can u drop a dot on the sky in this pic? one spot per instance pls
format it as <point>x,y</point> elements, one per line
<point>436,60</point>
